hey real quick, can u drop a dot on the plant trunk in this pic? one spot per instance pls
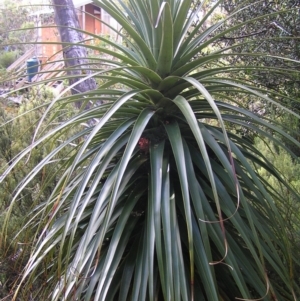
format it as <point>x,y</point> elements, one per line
<point>75,56</point>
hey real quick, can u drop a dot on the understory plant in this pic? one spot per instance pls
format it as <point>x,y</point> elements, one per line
<point>159,199</point>
<point>18,121</point>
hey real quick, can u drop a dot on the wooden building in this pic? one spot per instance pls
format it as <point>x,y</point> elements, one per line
<point>90,18</point>
<point>50,55</point>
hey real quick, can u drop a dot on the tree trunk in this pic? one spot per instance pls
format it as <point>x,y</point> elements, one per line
<point>75,56</point>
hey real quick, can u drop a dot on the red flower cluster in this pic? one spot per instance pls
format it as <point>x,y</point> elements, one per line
<point>144,144</point>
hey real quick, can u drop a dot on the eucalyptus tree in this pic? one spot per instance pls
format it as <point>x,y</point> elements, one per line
<point>75,54</point>
<point>161,199</point>
<point>17,27</point>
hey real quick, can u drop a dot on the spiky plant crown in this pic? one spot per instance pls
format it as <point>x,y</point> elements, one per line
<point>161,201</point>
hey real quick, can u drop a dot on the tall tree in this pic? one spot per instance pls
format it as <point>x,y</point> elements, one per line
<point>75,54</point>
<point>16,27</point>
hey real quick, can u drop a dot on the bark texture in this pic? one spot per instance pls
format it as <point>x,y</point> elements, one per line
<point>75,55</point>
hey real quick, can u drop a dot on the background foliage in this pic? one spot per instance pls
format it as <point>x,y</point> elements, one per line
<point>18,125</point>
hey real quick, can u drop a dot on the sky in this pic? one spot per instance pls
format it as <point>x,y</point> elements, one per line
<point>29,1</point>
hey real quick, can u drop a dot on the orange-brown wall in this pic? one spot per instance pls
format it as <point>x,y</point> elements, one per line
<point>89,20</point>
<point>50,34</point>
<point>92,24</point>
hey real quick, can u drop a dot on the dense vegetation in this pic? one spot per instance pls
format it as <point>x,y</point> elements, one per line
<point>16,132</point>
<point>16,31</point>
<point>181,186</point>
<point>275,35</point>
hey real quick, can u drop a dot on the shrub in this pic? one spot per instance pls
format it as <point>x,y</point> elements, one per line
<point>7,58</point>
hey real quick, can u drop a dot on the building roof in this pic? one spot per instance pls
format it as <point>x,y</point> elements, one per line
<point>78,3</point>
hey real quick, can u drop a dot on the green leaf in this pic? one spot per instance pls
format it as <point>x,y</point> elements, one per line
<point>165,57</point>
<point>177,147</point>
